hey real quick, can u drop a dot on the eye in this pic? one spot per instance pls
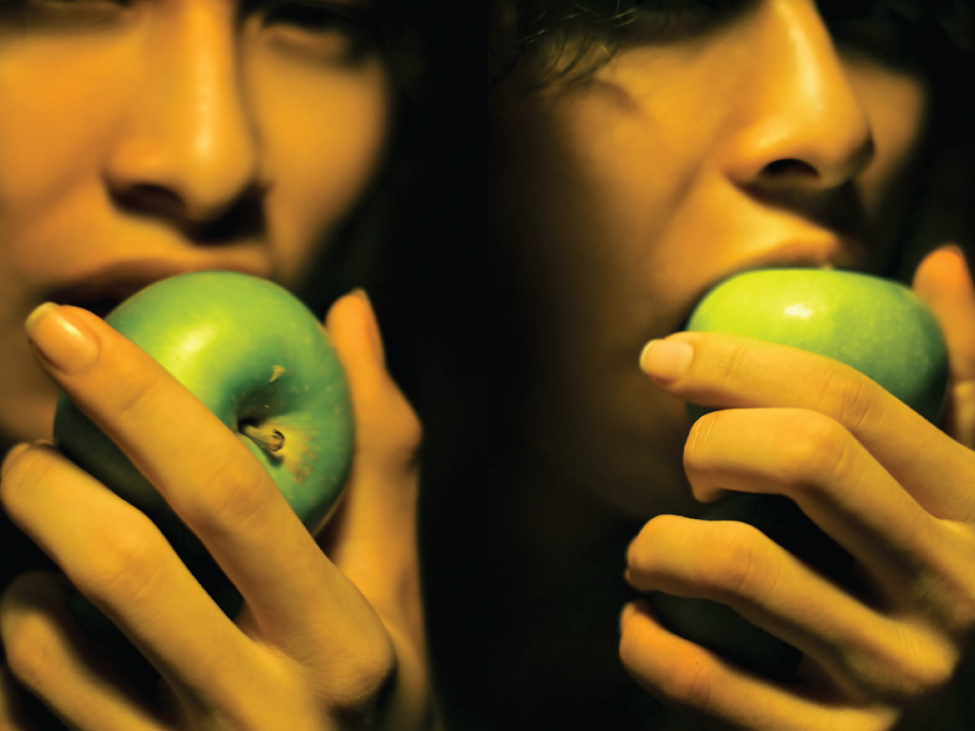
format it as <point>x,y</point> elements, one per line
<point>347,30</point>
<point>65,15</point>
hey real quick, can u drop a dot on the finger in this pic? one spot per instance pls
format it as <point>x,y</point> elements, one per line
<point>726,371</point>
<point>375,543</point>
<point>374,538</point>
<point>689,678</point>
<point>838,484</point>
<point>216,486</point>
<point>117,557</point>
<point>47,654</point>
<point>944,281</point>
<point>864,652</point>
<point>19,710</point>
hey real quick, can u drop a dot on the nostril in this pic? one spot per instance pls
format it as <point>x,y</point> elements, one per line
<point>242,218</point>
<point>150,200</point>
<point>790,166</point>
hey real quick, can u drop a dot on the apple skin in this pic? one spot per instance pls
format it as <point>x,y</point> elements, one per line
<point>255,356</point>
<point>877,326</point>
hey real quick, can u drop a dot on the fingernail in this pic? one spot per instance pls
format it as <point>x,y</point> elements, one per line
<point>666,360</point>
<point>61,339</point>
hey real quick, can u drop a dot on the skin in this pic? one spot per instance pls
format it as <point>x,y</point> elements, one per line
<point>175,115</point>
<point>171,116</point>
<point>626,197</point>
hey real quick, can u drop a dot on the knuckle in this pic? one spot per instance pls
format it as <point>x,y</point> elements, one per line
<point>230,497</point>
<point>125,562</point>
<point>816,453</point>
<point>697,447</point>
<point>392,431</point>
<point>944,590</point>
<point>690,683</point>
<point>408,423</point>
<point>744,567</point>
<point>734,369</point>
<point>407,435</point>
<point>129,401</point>
<point>364,676</point>
<point>850,398</point>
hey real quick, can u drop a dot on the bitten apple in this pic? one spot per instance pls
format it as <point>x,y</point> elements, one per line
<point>257,358</point>
<point>877,326</point>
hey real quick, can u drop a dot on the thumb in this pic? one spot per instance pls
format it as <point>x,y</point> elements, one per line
<point>372,538</point>
<point>944,281</point>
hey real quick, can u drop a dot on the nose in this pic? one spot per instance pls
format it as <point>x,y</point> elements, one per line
<point>804,127</point>
<point>186,148</point>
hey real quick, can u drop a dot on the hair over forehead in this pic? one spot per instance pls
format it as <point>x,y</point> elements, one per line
<point>571,30</point>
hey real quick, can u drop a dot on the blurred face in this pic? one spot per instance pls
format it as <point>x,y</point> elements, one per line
<point>752,139</point>
<point>145,138</point>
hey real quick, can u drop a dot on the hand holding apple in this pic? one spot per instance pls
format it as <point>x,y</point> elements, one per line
<point>259,360</point>
<point>324,634</point>
<point>877,326</point>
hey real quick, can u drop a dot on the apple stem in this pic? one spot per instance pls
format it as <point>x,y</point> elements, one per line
<point>268,439</point>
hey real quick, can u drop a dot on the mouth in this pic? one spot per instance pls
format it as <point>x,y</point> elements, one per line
<point>98,301</point>
<point>101,292</point>
<point>799,262</point>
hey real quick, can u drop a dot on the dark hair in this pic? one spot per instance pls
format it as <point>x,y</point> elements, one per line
<point>579,36</point>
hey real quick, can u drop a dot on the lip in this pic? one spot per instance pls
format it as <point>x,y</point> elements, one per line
<point>101,290</point>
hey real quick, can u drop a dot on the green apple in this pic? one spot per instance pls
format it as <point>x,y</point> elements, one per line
<point>877,326</point>
<point>259,360</point>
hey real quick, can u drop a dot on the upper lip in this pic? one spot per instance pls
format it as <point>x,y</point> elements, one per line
<point>101,289</point>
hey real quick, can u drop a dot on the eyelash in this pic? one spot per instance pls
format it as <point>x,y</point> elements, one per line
<point>322,16</point>
<point>353,21</point>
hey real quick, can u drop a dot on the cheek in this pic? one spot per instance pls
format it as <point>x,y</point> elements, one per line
<point>896,105</point>
<point>53,124</point>
<point>584,210</point>
<point>604,189</point>
<point>323,134</point>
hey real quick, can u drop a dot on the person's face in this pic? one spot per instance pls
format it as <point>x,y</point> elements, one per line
<point>146,138</point>
<point>758,141</point>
